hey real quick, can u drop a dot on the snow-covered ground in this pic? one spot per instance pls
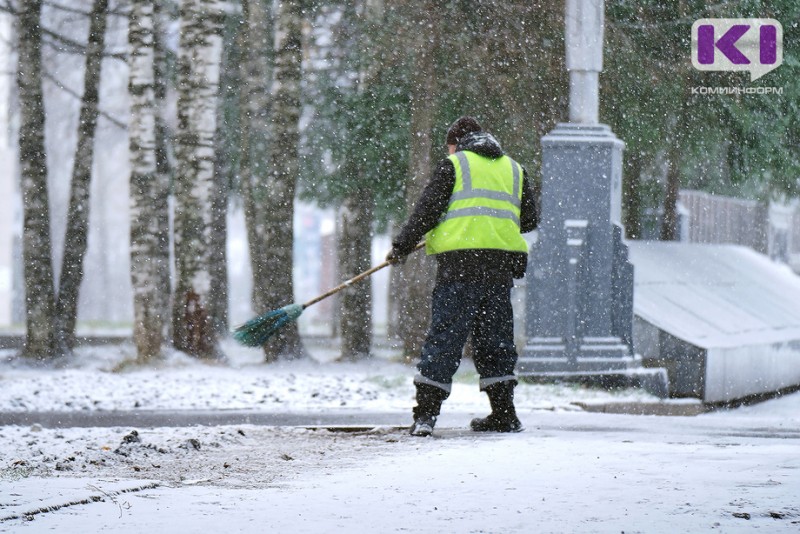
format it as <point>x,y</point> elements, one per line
<point>102,379</point>
<point>570,471</point>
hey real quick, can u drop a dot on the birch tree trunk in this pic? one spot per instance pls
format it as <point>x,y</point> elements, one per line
<point>148,189</point>
<point>37,253</point>
<point>278,206</point>
<point>355,254</point>
<point>75,240</point>
<point>198,80</point>
<point>416,275</point>
<point>218,296</point>
<point>162,253</point>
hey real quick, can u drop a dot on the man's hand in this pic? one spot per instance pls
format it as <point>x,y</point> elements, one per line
<point>394,257</point>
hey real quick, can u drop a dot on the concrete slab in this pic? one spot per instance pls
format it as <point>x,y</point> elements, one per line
<point>723,318</point>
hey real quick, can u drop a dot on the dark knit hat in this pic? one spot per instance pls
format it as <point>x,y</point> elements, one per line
<point>460,128</point>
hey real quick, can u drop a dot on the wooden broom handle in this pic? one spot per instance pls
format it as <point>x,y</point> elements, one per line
<point>355,279</point>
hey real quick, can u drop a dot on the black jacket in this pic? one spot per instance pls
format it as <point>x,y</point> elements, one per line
<point>466,265</point>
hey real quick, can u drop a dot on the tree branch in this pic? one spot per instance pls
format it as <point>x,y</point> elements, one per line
<point>68,9</point>
<point>116,122</point>
<point>75,47</point>
<point>7,7</point>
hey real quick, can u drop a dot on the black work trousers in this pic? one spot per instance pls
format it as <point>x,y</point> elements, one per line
<point>458,309</point>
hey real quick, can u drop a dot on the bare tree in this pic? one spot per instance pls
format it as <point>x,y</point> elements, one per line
<point>37,254</point>
<point>355,254</point>
<point>416,275</point>
<point>357,212</point>
<point>75,240</point>
<point>162,254</point>
<point>198,79</point>
<point>631,196</point>
<point>278,206</point>
<point>255,42</point>
<point>148,189</point>
<point>669,224</point>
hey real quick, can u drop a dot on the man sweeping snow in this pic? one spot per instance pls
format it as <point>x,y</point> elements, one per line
<point>472,211</point>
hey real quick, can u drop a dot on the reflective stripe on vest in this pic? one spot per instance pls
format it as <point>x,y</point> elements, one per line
<point>468,192</point>
<point>475,215</point>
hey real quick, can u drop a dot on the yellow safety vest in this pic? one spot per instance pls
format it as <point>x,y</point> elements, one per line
<point>484,208</point>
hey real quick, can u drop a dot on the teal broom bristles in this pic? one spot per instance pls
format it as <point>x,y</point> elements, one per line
<point>257,331</point>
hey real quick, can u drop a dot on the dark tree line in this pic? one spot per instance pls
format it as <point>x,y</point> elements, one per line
<point>346,103</point>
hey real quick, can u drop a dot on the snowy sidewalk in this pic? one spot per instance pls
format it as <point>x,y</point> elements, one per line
<point>568,472</point>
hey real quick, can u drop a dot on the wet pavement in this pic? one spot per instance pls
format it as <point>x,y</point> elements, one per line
<point>341,418</point>
<point>182,418</point>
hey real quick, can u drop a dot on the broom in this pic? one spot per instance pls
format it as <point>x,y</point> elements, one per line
<point>258,330</point>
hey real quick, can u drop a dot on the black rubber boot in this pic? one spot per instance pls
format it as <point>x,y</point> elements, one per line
<point>504,416</point>
<point>429,404</point>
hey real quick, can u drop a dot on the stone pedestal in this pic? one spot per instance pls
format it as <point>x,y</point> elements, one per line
<point>580,286</point>
<point>579,315</point>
